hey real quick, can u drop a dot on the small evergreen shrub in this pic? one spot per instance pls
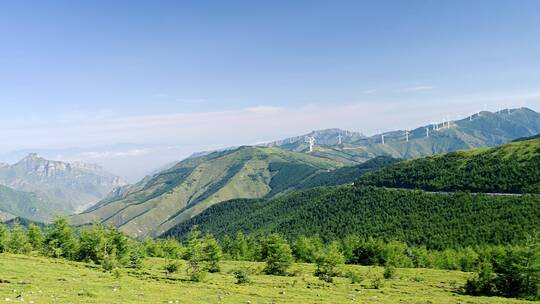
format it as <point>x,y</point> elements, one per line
<point>242,277</point>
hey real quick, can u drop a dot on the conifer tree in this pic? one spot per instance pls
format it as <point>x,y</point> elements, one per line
<point>195,256</point>
<point>4,238</point>
<point>18,242</point>
<point>327,259</point>
<point>35,237</point>
<point>60,240</point>
<point>278,255</point>
<point>212,253</point>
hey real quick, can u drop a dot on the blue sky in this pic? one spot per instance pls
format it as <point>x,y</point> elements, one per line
<point>99,68</point>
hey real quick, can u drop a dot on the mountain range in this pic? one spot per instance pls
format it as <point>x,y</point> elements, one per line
<point>483,129</point>
<point>387,203</point>
<point>177,194</point>
<point>37,188</point>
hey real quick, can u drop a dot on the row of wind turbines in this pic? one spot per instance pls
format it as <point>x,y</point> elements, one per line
<point>433,127</point>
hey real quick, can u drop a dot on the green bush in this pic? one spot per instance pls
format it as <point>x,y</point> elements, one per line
<point>482,283</point>
<point>197,276</point>
<point>377,283</point>
<point>109,262</point>
<point>171,267</point>
<point>242,277</point>
<point>516,274</point>
<point>354,277</point>
<point>389,272</point>
<point>136,256</point>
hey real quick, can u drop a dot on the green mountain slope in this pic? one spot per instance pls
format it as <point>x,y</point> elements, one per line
<point>346,174</point>
<point>28,205</point>
<point>417,217</point>
<point>438,220</point>
<point>510,168</point>
<point>158,203</point>
<point>484,129</point>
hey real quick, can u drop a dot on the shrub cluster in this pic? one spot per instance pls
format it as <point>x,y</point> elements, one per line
<point>510,271</point>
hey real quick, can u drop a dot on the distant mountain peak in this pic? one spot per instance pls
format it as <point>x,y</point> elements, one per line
<point>75,185</point>
<point>33,159</point>
<point>31,156</point>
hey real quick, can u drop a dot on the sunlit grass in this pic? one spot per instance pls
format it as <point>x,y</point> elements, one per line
<point>42,280</point>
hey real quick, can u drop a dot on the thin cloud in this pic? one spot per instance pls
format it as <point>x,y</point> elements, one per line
<point>264,109</point>
<point>244,125</point>
<point>418,88</point>
<point>189,132</point>
<point>110,154</point>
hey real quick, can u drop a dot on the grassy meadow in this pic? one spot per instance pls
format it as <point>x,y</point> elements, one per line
<point>45,280</point>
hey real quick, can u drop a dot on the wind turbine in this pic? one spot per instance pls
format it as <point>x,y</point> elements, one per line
<point>311,141</point>
<point>339,139</point>
<point>407,135</point>
<point>427,132</point>
<point>382,138</point>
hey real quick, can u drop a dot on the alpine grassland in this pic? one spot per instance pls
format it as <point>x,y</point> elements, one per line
<point>32,279</point>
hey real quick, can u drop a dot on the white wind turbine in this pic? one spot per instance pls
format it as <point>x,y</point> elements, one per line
<point>339,139</point>
<point>311,141</point>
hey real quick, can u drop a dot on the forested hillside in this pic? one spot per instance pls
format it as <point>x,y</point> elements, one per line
<point>346,174</point>
<point>510,168</point>
<point>416,217</point>
<point>369,208</point>
<point>157,203</point>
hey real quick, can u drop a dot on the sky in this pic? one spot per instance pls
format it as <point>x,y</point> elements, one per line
<point>133,85</point>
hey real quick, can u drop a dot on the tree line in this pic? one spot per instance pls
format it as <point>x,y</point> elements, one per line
<point>511,271</point>
<point>437,221</point>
